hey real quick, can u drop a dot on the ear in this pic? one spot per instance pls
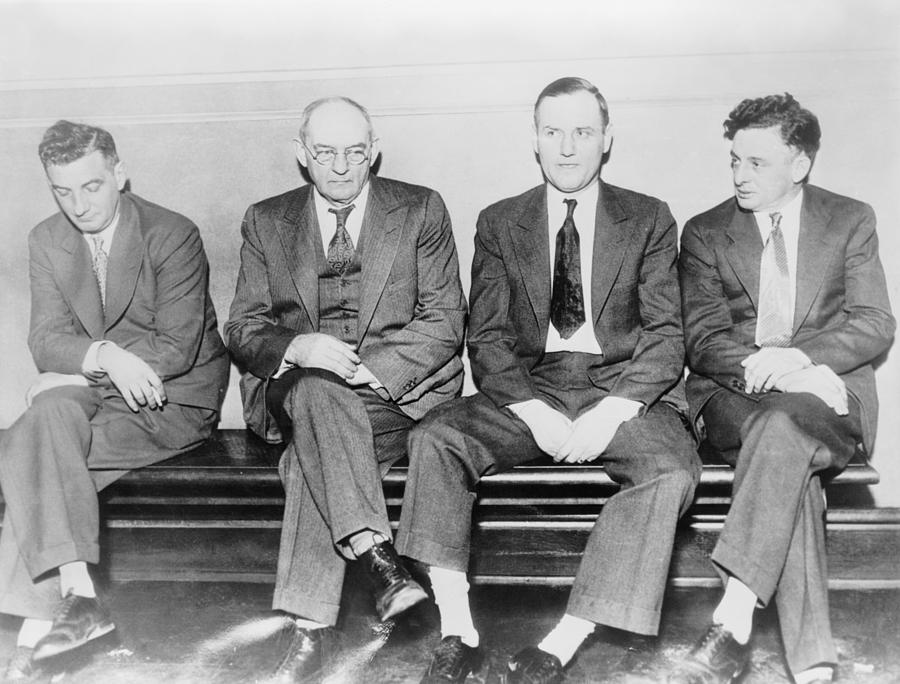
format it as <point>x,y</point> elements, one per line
<point>374,151</point>
<point>534,138</point>
<point>607,138</point>
<point>800,167</point>
<point>300,152</point>
<point>121,175</point>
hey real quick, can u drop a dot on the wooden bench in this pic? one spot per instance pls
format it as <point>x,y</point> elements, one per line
<point>215,514</point>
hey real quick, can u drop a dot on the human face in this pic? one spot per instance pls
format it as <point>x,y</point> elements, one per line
<point>767,173</point>
<point>87,190</point>
<point>340,127</point>
<point>570,140</point>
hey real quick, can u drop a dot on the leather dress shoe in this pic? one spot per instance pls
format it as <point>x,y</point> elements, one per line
<point>533,666</point>
<point>395,589</point>
<point>716,659</point>
<point>307,656</point>
<point>78,620</point>
<point>21,666</point>
<point>452,661</point>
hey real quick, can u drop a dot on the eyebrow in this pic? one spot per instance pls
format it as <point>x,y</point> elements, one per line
<point>65,187</point>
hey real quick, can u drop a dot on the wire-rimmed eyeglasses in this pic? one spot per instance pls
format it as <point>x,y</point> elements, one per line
<point>353,155</point>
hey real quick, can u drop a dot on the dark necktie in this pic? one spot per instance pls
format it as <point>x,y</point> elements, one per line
<point>774,319</point>
<point>340,249</point>
<point>100,262</point>
<point>567,300</point>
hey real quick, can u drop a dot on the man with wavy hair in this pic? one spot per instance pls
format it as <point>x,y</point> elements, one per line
<point>785,309</point>
<point>132,371</point>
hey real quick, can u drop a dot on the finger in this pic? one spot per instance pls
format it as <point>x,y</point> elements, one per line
<point>129,399</point>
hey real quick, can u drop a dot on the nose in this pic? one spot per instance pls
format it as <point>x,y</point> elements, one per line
<point>567,146</point>
<point>739,172</point>
<point>340,165</point>
<point>79,204</point>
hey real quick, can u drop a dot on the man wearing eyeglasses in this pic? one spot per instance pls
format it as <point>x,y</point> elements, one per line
<point>347,323</point>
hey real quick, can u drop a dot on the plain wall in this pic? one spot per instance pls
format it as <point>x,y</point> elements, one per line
<point>203,100</point>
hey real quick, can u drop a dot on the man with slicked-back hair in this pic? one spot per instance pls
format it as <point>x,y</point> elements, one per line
<point>575,341</point>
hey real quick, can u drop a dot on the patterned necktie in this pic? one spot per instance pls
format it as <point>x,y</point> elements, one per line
<point>340,249</point>
<point>774,319</point>
<point>567,300</point>
<point>100,262</point>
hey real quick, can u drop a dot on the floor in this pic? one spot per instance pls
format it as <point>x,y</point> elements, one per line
<point>184,633</point>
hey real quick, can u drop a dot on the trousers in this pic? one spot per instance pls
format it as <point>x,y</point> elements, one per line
<point>68,445</point>
<point>343,442</point>
<point>773,538</point>
<point>622,575</point>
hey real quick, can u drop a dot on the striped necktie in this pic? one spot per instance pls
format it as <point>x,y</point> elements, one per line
<point>100,263</point>
<point>774,319</point>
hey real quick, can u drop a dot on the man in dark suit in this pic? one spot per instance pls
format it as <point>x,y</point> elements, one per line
<point>132,371</point>
<point>575,339</point>
<point>348,321</point>
<point>785,309</point>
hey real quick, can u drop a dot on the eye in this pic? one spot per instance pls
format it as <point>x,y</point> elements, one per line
<point>585,133</point>
<point>61,192</point>
<point>93,187</point>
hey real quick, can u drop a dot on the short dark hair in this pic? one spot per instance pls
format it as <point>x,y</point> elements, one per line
<point>799,127</point>
<point>65,142</point>
<point>569,85</point>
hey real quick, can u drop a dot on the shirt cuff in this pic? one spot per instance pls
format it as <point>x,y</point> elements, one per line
<point>282,369</point>
<point>90,365</point>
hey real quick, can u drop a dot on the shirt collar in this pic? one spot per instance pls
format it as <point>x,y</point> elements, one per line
<point>587,196</point>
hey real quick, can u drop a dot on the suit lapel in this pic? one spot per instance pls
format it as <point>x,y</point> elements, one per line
<point>610,240</point>
<point>531,244</point>
<point>125,262</point>
<point>745,251</point>
<point>298,230</point>
<point>382,229</point>
<point>76,276</point>
<point>815,249</point>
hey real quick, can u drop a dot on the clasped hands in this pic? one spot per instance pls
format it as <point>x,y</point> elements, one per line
<point>579,440</point>
<point>318,350</point>
<point>788,369</point>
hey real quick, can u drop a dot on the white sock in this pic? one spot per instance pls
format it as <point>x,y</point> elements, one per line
<point>451,594</point>
<point>567,637</point>
<point>735,610</point>
<point>363,541</point>
<point>32,631</point>
<point>819,672</point>
<point>75,576</point>
<point>303,623</point>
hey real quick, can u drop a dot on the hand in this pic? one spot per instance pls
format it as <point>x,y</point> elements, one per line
<point>766,367</point>
<point>138,384</point>
<point>47,381</point>
<point>363,376</point>
<point>594,430</point>
<point>549,427</point>
<point>820,381</point>
<point>318,350</point>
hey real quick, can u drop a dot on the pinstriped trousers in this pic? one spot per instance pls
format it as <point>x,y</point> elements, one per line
<point>343,442</point>
<point>622,576</point>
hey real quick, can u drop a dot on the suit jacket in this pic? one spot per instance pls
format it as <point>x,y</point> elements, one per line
<point>411,310</point>
<point>842,316</point>
<point>157,305</point>
<point>636,311</point>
